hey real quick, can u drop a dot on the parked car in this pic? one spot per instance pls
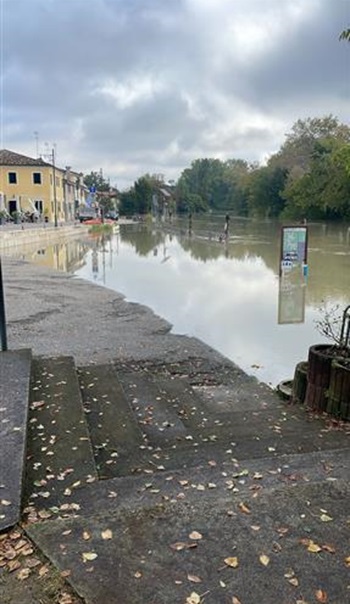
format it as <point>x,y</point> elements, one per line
<point>112,215</point>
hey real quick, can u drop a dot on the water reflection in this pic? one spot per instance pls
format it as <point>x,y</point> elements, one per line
<point>227,293</point>
<point>291,298</point>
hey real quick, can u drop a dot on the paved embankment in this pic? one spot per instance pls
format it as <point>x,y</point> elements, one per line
<point>158,472</point>
<point>17,236</point>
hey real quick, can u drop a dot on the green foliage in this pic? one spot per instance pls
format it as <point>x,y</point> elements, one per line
<point>96,179</point>
<point>309,177</point>
<point>345,35</point>
<point>323,192</point>
<point>265,187</point>
<point>213,184</point>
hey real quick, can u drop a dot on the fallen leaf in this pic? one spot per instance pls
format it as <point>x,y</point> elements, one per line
<point>23,574</point>
<point>138,575</point>
<point>265,560</point>
<point>231,561</point>
<point>314,548</point>
<point>194,598</point>
<point>244,508</point>
<point>293,581</point>
<point>328,548</point>
<point>195,535</point>
<point>88,556</point>
<point>347,561</point>
<point>326,518</point>
<point>43,570</point>
<point>194,578</point>
<point>235,600</point>
<point>180,545</point>
<point>321,596</point>
<point>13,565</point>
<point>107,534</point>
<point>65,598</point>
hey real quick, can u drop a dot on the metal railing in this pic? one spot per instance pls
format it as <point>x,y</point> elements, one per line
<point>345,329</point>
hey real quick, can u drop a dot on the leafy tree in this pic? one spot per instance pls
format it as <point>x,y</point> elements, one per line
<point>127,202</point>
<point>265,187</point>
<point>297,151</point>
<point>96,179</point>
<point>324,191</point>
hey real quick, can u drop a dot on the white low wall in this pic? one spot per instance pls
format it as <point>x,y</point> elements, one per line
<point>48,234</point>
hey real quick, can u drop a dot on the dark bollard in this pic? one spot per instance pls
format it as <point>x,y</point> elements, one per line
<point>2,314</point>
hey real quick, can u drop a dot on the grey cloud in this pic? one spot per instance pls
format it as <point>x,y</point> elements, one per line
<point>58,54</point>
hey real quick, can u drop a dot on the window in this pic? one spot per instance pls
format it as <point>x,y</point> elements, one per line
<point>37,178</point>
<point>12,178</point>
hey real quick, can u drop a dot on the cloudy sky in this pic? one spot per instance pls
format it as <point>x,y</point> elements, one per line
<point>136,86</point>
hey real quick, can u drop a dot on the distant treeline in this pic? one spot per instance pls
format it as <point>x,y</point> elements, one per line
<point>309,177</point>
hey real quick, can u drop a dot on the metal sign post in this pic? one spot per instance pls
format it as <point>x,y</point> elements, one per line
<point>2,314</point>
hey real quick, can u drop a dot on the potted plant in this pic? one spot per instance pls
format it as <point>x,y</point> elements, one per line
<point>325,390</point>
<point>3,216</point>
<point>17,216</point>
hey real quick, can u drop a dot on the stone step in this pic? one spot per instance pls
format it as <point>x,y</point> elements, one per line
<point>132,540</point>
<point>114,432</point>
<point>15,368</point>
<point>157,418</point>
<point>59,453</point>
<point>199,435</point>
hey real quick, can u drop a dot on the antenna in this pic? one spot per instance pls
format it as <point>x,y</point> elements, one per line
<point>36,136</point>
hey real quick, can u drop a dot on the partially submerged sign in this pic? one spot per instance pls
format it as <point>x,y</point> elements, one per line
<point>293,248</point>
<point>291,299</point>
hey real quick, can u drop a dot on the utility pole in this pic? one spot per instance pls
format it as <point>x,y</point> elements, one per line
<point>54,186</point>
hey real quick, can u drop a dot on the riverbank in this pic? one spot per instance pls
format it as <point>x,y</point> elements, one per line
<point>217,493</point>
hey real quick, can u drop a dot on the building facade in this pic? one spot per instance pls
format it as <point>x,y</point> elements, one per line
<point>36,187</point>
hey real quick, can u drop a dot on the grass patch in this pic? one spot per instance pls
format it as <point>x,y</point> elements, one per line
<point>101,228</point>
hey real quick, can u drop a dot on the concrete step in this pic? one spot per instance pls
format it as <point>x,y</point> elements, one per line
<point>181,430</point>
<point>132,541</point>
<point>59,453</point>
<point>114,431</point>
<point>152,406</point>
<point>15,368</point>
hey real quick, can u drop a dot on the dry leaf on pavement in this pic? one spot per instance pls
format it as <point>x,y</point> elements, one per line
<point>231,561</point>
<point>321,596</point>
<point>265,560</point>
<point>194,598</point>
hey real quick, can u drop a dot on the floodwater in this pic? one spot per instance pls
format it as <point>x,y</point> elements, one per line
<point>229,294</point>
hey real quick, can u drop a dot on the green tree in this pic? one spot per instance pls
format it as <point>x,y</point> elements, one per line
<point>127,202</point>
<point>96,179</point>
<point>324,191</point>
<point>297,151</point>
<point>265,187</point>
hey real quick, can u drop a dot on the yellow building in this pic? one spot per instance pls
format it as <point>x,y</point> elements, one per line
<point>35,187</point>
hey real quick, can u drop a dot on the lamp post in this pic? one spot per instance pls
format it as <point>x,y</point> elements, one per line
<point>54,186</point>
<point>2,314</point>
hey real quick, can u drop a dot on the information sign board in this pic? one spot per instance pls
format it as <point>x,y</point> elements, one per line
<point>293,247</point>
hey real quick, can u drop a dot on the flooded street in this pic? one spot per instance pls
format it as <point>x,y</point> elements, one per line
<point>228,294</point>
